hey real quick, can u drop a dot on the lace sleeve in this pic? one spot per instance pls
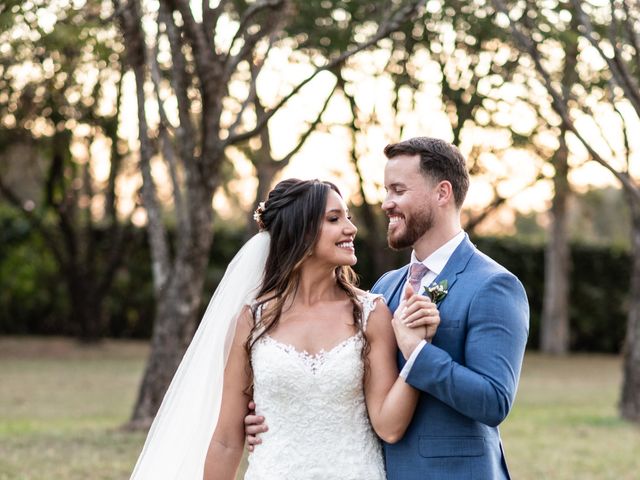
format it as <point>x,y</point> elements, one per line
<point>368,305</point>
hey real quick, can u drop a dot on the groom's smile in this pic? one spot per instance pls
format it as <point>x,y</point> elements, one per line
<point>397,226</point>
<point>393,220</point>
<point>407,204</point>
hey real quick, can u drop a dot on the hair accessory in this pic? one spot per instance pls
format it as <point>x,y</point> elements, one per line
<point>257,216</point>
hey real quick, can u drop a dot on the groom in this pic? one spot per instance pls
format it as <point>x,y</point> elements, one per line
<point>469,373</point>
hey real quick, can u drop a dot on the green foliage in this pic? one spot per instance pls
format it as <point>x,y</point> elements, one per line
<point>33,299</point>
<point>130,306</point>
<point>599,298</point>
<point>60,78</point>
<point>329,27</point>
<point>46,73</point>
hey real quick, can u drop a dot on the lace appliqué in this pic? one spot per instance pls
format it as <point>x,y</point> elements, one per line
<point>313,361</point>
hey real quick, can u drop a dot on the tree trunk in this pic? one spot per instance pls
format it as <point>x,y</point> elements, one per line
<point>178,301</point>
<point>265,175</point>
<point>554,331</point>
<point>266,171</point>
<point>554,328</point>
<point>630,401</point>
<point>178,308</point>
<point>86,311</point>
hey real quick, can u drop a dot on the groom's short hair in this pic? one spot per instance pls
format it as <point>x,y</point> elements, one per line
<point>439,160</point>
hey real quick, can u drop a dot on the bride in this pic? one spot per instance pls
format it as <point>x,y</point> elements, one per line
<point>292,332</point>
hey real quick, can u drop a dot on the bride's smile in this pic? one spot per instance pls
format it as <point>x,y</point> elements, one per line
<point>335,241</point>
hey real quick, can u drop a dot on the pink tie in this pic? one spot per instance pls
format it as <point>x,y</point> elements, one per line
<point>416,272</point>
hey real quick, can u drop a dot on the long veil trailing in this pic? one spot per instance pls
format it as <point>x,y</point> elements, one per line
<point>179,437</point>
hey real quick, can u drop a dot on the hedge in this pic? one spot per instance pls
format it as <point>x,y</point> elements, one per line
<point>33,300</point>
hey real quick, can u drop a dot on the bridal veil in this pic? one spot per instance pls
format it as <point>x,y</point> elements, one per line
<point>179,437</point>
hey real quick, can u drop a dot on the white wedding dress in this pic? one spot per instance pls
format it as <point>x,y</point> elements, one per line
<point>315,408</point>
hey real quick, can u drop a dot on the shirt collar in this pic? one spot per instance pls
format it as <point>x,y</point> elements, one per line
<point>438,259</point>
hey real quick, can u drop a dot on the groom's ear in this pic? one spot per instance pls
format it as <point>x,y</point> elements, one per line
<point>444,192</point>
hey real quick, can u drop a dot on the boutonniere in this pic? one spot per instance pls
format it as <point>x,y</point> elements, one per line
<point>437,291</point>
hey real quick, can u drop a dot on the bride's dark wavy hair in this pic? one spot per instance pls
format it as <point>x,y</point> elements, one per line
<point>293,215</point>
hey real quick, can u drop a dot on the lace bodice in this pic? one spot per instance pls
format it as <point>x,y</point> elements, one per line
<point>315,408</point>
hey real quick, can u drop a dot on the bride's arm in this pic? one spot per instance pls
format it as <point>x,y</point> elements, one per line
<point>227,442</point>
<point>390,400</point>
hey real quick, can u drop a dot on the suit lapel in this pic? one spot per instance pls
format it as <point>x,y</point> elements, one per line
<point>456,263</point>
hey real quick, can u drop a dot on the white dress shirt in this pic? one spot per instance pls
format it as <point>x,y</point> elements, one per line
<point>435,263</point>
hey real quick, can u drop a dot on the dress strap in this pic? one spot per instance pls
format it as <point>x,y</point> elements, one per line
<point>257,309</point>
<point>368,301</point>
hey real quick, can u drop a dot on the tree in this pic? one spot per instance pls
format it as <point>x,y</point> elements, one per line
<point>61,90</point>
<point>478,79</point>
<point>472,69</point>
<point>266,166</point>
<point>199,67</point>
<point>611,32</point>
<point>554,328</point>
<point>321,31</point>
<point>450,59</point>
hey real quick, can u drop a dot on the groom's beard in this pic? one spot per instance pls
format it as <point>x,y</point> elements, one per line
<point>415,226</point>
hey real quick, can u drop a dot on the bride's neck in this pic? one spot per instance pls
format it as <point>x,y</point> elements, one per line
<point>317,284</point>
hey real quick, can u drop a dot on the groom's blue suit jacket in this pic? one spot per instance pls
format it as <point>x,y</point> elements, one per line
<point>468,375</point>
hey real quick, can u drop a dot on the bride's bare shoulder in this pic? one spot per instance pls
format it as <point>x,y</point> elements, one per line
<point>245,318</point>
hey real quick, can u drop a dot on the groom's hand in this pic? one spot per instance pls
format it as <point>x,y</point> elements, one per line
<point>253,426</point>
<point>417,310</point>
<point>420,311</point>
<point>407,337</point>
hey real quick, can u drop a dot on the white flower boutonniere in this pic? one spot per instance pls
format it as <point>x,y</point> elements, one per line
<point>437,291</point>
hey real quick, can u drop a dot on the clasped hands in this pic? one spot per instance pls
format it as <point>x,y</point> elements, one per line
<point>415,319</point>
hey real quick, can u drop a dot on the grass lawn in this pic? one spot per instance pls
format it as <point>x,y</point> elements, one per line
<point>61,406</point>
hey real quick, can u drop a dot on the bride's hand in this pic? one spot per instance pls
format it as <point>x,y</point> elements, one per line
<point>407,337</point>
